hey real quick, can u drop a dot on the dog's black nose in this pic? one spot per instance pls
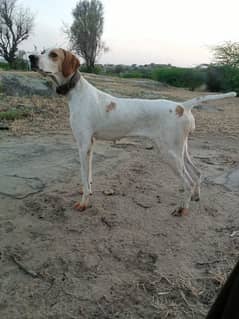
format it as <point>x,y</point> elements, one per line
<point>34,62</point>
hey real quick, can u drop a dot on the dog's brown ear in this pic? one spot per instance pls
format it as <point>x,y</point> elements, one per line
<point>70,64</point>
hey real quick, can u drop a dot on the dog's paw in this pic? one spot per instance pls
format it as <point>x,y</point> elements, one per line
<point>180,212</point>
<point>80,207</point>
<point>195,198</point>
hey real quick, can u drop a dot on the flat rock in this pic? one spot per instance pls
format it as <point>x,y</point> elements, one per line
<point>15,84</point>
<point>229,179</point>
<point>20,187</point>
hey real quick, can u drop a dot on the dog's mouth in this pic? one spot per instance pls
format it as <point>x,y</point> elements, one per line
<point>48,74</point>
<point>34,59</point>
<point>45,73</point>
<point>34,62</point>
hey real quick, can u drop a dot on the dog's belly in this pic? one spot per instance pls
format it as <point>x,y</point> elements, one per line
<point>141,127</point>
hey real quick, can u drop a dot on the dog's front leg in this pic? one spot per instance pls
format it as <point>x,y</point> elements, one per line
<point>85,150</point>
<point>89,158</point>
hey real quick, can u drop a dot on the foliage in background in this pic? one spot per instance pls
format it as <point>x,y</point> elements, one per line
<point>223,74</point>
<point>222,78</point>
<point>180,77</point>
<point>227,54</point>
<point>86,31</point>
<point>13,114</point>
<point>16,24</point>
<point>5,66</point>
<point>18,64</point>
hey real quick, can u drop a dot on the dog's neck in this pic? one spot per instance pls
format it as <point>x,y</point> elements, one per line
<point>64,89</point>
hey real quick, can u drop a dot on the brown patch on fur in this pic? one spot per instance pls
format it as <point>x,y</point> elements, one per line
<point>67,62</point>
<point>70,64</point>
<point>181,212</point>
<point>110,107</point>
<point>179,110</point>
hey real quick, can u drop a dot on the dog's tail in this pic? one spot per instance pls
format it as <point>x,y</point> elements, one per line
<point>191,103</point>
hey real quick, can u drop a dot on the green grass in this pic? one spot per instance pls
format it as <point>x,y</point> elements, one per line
<point>4,66</point>
<point>19,64</point>
<point>13,114</point>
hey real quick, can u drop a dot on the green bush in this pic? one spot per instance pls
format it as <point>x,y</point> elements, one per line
<point>222,78</point>
<point>13,114</point>
<point>18,64</point>
<point>132,75</point>
<point>96,70</point>
<point>138,74</point>
<point>4,66</point>
<point>180,77</point>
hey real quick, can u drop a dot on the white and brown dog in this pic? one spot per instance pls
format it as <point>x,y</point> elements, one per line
<point>97,115</point>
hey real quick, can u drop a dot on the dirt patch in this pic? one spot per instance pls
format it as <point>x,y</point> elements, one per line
<point>126,256</point>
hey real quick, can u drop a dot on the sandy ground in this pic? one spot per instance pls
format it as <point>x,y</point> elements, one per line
<point>125,257</point>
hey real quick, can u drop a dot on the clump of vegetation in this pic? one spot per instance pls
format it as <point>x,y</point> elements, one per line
<point>222,78</point>
<point>18,64</point>
<point>14,114</point>
<point>180,77</point>
<point>4,66</point>
<point>227,54</point>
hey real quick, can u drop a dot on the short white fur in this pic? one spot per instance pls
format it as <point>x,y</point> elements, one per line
<point>156,119</point>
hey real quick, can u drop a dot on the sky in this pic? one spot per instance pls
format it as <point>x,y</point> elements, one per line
<point>178,32</point>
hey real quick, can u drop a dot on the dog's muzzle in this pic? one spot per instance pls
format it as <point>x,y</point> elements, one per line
<point>34,60</point>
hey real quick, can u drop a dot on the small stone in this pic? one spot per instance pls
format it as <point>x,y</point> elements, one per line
<point>149,147</point>
<point>4,126</point>
<point>109,192</point>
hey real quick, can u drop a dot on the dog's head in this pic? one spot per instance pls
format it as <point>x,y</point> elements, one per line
<point>57,63</point>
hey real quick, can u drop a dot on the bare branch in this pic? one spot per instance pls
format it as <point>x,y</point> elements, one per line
<point>227,54</point>
<point>16,24</point>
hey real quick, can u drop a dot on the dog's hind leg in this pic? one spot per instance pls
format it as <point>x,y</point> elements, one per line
<point>176,162</point>
<point>195,173</point>
<point>174,158</point>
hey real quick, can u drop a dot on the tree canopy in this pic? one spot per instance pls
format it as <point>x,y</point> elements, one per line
<point>87,29</point>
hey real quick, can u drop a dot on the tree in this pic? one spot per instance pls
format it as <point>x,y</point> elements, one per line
<point>227,54</point>
<point>16,24</point>
<point>86,31</point>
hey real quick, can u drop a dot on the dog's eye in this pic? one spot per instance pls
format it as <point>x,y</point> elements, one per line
<point>53,54</point>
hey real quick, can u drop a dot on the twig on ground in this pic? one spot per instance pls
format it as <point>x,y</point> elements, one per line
<point>106,222</point>
<point>101,308</point>
<point>186,302</point>
<point>235,233</point>
<point>23,268</point>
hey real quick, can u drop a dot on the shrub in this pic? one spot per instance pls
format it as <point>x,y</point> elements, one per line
<point>4,66</point>
<point>96,70</point>
<point>180,77</point>
<point>13,114</point>
<point>214,79</point>
<point>18,64</point>
<point>132,74</point>
<point>222,78</point>
<point>143,74</point>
